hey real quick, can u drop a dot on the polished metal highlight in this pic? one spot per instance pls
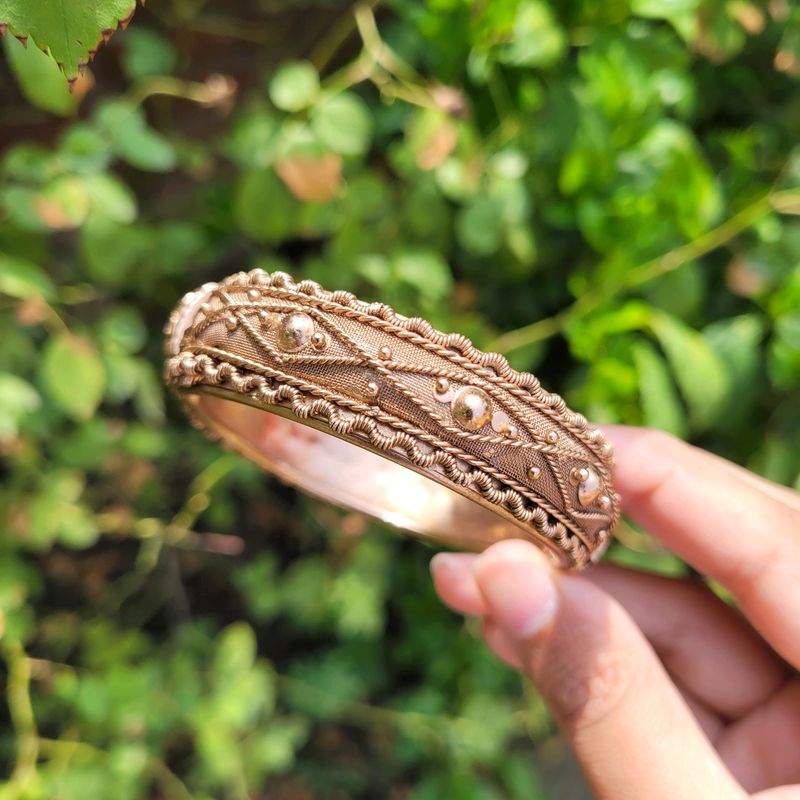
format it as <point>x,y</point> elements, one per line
<point>453,444</point>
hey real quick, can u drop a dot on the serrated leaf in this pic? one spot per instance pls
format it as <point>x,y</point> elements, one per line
<point>70,30</point>
<point>72,375</point>
<point>699,372</point>
<point>40,79</point>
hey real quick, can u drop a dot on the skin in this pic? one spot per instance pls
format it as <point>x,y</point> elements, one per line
<point>662,690</point>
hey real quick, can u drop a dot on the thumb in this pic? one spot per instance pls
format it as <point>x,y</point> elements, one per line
<point>627,723</point>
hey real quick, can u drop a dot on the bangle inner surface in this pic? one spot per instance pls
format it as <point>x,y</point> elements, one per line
<point>309,455</point>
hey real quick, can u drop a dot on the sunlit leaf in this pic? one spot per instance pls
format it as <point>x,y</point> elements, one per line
<point>22,279</point>
<point>294,86</point>
<point>40,79</point>
<point>699,372</point>
<point>72,375</point>
<point>661,407</point>
<point>71,30</point>
<point>17,399</point>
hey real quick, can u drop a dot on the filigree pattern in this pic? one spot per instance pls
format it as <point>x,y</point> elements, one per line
<point>399,386</point>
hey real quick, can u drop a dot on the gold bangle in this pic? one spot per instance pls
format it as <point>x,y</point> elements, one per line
<point>453,444</point>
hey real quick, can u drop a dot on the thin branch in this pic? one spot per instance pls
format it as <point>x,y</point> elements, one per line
<point>21,712</point>
<point>785,201</point>
<point>326,48</point>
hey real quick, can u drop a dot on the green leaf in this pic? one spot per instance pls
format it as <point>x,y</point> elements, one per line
<point>661,407</point>
<point>294,86</point>
<point>784,355</point>
<point>253,140</point>
<point>426,271</point>
<point>479,226</point>
<point>536,38</point>
<point>77,528</point>
<point>111,197</point>
<point>147,52</point>
<point>83,149</point>
<point>663,9</point>
<point>132,139</point>
<point>71,30</point>
<point>111,250</point>
<point>236,651</point>
<point>17,399</point>
<point>737,341</point>
<point>273,748</point>
<point>40,79</point>
<point>20,278</point>
<point>258,583</point>
<point>264,208</point>
<point>56,512</point>
<point>72,375</point>
<point>343,123</point>
<point>699,372</point>
<point>63,203</point>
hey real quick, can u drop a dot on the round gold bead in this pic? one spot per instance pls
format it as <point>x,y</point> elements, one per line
<point>385,352</point>
<point>604,501</point>
<point>319,340</point>
<point>534,473</point>
<point>253,294</point>
<point>372,390</point>
<point>295,331</point>
<point>471,408</point>
<point>511,430</point>
<point>578,475</point>
<point>265,319</point>
<point>442,386</point>
<point>231,323</point>
<point>552,437</point>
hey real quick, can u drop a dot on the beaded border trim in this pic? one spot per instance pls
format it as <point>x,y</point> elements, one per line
<point>276,377</point>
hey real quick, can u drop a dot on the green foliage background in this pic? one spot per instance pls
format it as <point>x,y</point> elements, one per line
<point>605,191</point>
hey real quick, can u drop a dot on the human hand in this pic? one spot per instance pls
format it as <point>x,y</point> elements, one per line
<point>709,707</point>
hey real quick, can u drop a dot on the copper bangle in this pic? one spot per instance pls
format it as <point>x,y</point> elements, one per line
<point>453,445</point>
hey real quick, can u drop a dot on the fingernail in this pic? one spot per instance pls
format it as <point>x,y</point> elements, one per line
<point>517,584</point>
<point>442,562</point>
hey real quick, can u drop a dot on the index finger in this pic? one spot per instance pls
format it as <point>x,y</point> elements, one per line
<point>724,525</point>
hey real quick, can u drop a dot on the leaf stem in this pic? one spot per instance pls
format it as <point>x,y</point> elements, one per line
<point>216,90</point>
<point>22,717</point>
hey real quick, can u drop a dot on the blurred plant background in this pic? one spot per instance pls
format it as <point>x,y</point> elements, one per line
<point>605,191</point>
